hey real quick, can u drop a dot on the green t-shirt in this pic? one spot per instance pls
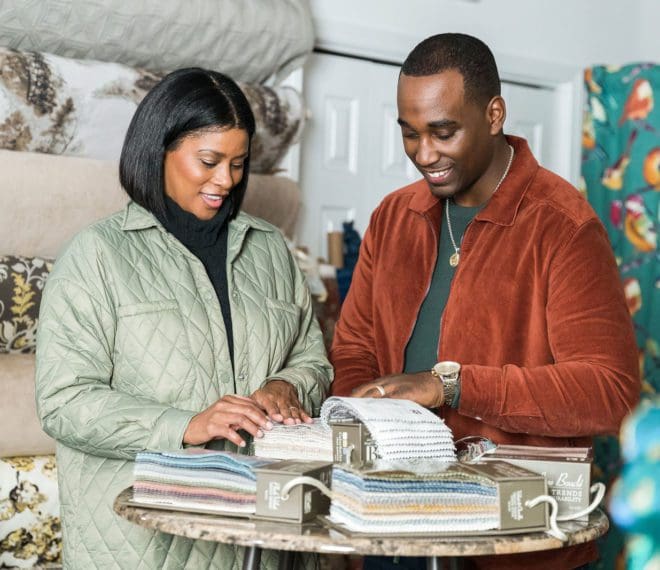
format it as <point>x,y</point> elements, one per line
<point>422,349</point>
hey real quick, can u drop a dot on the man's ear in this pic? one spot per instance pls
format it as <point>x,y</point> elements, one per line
<point>496,114</point>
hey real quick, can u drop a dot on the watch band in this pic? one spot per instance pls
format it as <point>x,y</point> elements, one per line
<point>449,373</point>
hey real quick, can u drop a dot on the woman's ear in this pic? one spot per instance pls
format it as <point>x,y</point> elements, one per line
<point>496,114</point>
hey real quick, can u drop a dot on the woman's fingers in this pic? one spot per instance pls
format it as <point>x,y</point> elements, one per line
<point>280,400</point>
<point>245,406</point>
<point>305,417</point>
<point>226,432</point>
<point>291,414</point>
<point>225,419</point>
<point>235,422</point>
<point>241,401</point>
<point>268,404</point>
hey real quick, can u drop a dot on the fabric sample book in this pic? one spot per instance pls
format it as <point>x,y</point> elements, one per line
<point>401,429</point>
<point>302,441</point>
<point>413,497</point>
<point>197,479</point>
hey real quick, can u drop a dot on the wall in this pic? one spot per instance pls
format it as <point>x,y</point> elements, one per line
<point>649,35</point>
<point>561,32</point>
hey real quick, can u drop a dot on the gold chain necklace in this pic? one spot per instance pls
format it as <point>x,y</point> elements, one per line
<point>455,257</point>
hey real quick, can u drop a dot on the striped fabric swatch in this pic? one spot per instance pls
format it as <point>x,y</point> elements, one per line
<point>413,497</point>
<point>197,479</point>
<point>302,441</point>
<point>401,429</point>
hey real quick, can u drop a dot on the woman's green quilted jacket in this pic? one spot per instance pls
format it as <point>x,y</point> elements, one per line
<point>131,345</point>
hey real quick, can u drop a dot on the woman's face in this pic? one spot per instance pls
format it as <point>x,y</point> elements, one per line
<point>204,168</point>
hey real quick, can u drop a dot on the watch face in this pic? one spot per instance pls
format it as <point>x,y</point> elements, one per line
<point>447,368</point>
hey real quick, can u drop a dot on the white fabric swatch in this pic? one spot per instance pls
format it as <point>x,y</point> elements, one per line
<point>401,429</point>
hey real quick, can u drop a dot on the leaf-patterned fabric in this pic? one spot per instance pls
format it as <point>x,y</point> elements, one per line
<point>59,105</point>
<point>22,281</point>
<point>621,176</point>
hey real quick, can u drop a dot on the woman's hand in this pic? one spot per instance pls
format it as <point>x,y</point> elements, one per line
<point>280,400</point>
<point>224,419</point>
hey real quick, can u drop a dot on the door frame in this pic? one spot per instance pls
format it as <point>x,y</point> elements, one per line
<point>355,40</point>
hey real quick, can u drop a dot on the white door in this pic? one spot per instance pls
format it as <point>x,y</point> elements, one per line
<point>352,153</point>
<point>351,150</point>
<point>530,114</point>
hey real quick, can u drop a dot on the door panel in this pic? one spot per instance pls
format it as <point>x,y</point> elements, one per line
<point>352,153</point>
<point>530,112</point>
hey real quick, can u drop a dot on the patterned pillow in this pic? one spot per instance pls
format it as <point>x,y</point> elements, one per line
<point>58,105</point>
<point>279,115</point>
<point>21,285</point>
<point>30,530</point>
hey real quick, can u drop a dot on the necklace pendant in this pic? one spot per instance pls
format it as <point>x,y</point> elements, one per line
<point>454,259</point>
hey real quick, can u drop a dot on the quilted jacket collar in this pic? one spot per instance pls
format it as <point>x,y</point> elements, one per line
<point>138,218</point>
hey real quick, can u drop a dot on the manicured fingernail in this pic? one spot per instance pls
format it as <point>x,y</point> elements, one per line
<point>269,425</point>
<point>260,433</point>
<point>242,444</point>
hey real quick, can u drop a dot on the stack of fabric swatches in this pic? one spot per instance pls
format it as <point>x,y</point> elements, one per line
<point>413,497</point>
<point>299,441</point>
<point>197,479</point>
<point>400,429</point>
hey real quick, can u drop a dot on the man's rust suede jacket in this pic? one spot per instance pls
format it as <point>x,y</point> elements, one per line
<point>536,313</point>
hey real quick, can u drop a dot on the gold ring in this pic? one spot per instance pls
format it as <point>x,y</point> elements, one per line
<point>381,390</point>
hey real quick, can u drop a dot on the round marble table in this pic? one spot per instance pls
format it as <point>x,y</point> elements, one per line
<point>315,537</point>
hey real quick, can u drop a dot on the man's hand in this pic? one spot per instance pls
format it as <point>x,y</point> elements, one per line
<point>223,420</point>
<point>422,387</point>
<point>280,400</point>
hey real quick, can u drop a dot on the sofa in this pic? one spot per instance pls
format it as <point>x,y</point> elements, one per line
<point>50,198</point>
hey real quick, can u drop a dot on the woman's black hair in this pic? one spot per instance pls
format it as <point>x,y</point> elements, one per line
<point>184,102</point>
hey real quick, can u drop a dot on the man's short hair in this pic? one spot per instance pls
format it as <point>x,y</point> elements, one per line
<point>468,55</point>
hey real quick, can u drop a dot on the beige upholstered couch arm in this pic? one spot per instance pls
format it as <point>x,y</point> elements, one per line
<point>50,198</point>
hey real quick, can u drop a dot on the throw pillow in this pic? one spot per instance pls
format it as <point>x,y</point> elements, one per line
<point>21,285</point>
<point>58,105</point>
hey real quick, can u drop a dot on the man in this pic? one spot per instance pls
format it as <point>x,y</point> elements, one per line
<point>487,290</point>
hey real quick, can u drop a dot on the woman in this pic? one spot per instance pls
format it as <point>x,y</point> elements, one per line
<point>178,321</point>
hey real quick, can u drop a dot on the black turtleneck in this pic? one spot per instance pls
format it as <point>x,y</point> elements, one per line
<point>207,240</point>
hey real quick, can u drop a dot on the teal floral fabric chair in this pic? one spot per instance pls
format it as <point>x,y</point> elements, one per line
<point>635,503</point>
<point>621,179</point>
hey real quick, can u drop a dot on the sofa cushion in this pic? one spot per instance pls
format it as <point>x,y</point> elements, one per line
<point>22,281</point>
<point>52,198</point>
<point>30,529</point>
<point>82,190</point>
<point>276,199</point>
<point>19,426</point>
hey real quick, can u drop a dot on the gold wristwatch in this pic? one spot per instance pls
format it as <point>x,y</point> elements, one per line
<point>449,373</point>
